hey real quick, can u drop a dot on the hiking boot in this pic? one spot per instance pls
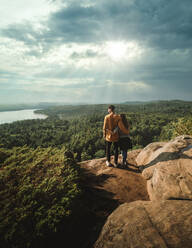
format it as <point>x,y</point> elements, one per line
<point>126,164</point>
<point>116,165</point>
<point>122,165</point>
<point>108,164</point>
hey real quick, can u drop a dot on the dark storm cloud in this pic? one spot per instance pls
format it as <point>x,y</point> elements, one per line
<point>161,23</point>
<point>75,24</point>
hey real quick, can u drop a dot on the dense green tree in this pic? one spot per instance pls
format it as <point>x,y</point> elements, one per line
<point>38,193</point>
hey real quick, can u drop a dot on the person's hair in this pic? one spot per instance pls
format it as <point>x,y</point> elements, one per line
<point>124,120</point>
<point>112,107</point>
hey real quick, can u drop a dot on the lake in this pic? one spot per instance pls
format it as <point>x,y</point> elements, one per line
<point>19,115</point>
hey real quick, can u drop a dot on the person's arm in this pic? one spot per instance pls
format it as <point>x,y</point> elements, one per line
<point>122,127</point>
<point>104,127</point>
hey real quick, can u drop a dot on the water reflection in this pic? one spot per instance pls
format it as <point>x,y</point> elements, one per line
<point>11,116</point>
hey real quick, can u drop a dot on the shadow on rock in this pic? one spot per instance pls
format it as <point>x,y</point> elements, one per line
<point>163,157</point>
<point>135,169</point>
<point>99,204</point>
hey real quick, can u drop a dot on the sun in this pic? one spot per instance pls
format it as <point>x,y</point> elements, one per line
<point>122,50</point>
<point>116,50</point>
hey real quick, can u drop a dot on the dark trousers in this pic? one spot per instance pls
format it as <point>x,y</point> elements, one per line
<point>108,150</point>
<point>124,155</point>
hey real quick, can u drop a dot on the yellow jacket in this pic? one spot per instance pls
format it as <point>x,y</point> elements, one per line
<point>112,121</point>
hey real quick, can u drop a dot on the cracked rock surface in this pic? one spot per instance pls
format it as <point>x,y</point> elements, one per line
<point>148,224</point>
<point>168,169</point>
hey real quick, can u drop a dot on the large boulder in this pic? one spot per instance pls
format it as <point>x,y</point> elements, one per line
<point>168,169</point>
<point>163,151</point>
<point>147,154</point>
<point>148,224</point>
<point>170,180</point>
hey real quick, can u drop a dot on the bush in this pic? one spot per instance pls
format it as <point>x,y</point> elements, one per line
<point>183,126</point>
<point>100,154</point>
<point>85,156</point>
<point>38,192</point>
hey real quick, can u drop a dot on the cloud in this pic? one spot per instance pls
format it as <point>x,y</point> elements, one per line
<point>130,85</point>
<point>64,48</point>
<point>87,54</point>
<point>159,23</point>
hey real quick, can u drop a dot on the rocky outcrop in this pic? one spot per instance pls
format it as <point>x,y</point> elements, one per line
<point>171,180</point>
<point>164,151</point>
<point>148,224</point>
<point>121,185</point>
<point>168,169</point>
<point>166,220</point>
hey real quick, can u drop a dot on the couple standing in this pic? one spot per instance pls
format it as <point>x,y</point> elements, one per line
<point>116,131</point>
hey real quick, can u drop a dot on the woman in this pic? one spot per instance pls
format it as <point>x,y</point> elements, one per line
<point>124,140</point>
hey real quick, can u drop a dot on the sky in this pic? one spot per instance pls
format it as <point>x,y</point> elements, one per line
<point>95,51</point>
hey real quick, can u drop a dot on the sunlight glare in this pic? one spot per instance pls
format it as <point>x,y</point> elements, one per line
<point>117,50</point>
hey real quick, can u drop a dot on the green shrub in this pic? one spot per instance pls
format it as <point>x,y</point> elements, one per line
<point>38,191</point>
<point>182,126</point>
<point>100,154</point>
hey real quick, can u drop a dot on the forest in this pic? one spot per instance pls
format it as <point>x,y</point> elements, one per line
<point>42,195</point>
<point>79,128</point>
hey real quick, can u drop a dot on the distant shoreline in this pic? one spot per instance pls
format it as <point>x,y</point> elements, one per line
<point>7,117</point>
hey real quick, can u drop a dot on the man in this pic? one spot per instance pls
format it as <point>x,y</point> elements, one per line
<point>111,122</point>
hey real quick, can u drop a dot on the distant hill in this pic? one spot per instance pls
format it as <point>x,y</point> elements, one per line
<point>176,101</point>
<point>134,102</point>
<point>41,105</point>
<point>15,107</point>
<point>78,106</point>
